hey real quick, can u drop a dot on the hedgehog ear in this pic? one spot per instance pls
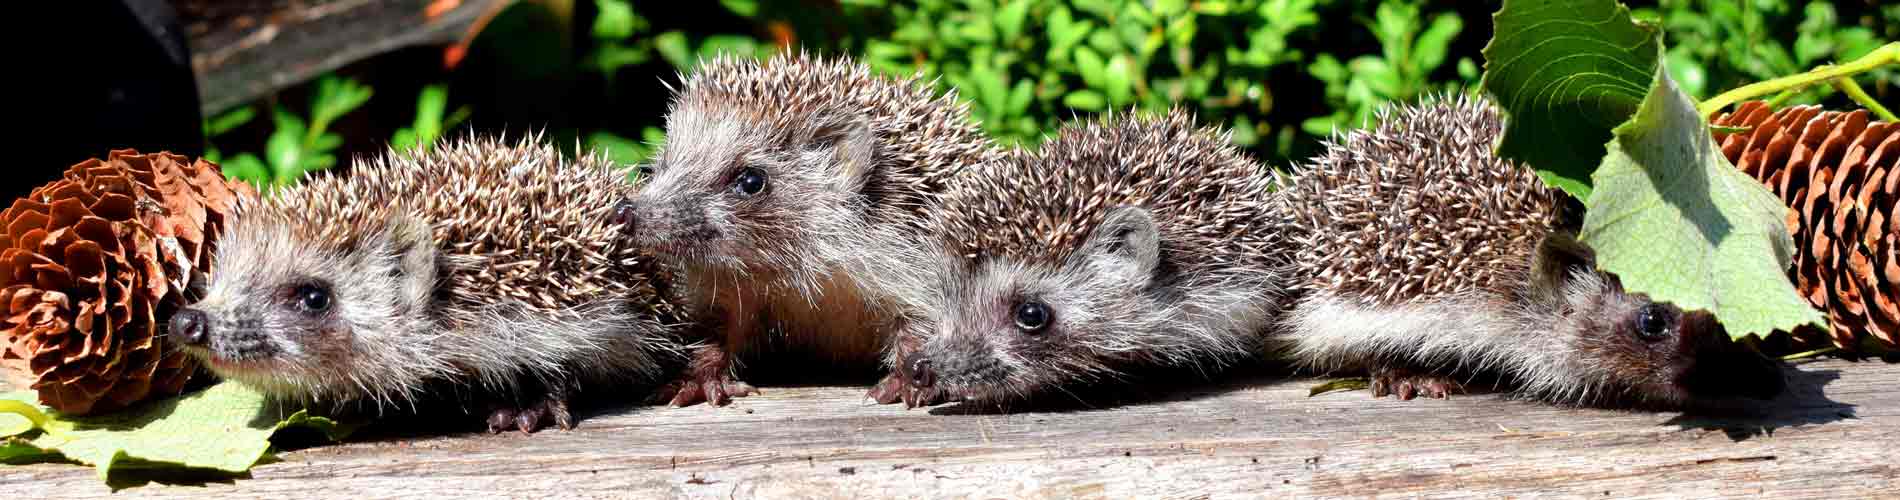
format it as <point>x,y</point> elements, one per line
<point>1127,238</point>
<point>850,145</point>
<point>410,241</point>
<point>1559,257</point>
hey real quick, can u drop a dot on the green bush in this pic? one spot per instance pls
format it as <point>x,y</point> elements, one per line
<point>1281,74</point>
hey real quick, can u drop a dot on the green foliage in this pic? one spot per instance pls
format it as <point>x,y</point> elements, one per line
<point>1674,219</point>
<point>1720,44</point>
<point>1280,74</point>
<point>432,117</point>
<point>223,429</point>
<point>1666,212</point>
<point>1027,66</point>
<point>296,145</point>
<point>621,35</point>
<point>1566,84</point>
<point>1410,50</point>
<point>627,151</point>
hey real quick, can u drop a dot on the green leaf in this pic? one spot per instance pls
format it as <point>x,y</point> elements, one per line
<point>1673,219</point>
<point>1344,384</point>
<point>1118,79</point>
<point>1687,71</point>
<point>226,428</point>
<point>431,105</point>
<point>1378,74</point>
<point>1009,19</point>
<point>1086,100</point>
<point>334,98</point>
<point>1091,66</point>
<point>246,167</point>
<point>735,45</point>
<point>1566,72</point>
<point>615,20</point>
<point>675,49</point>
<point>1429,50</point>
<point>234,118</point>
<point>744,8</point>
<point>284,150</point>
<point>621,150</point>
<point>1019,97</point>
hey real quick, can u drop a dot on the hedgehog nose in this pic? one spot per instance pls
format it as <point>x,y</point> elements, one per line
<point>188,326</point>
<point>623,216</point>
<point>920,373</point>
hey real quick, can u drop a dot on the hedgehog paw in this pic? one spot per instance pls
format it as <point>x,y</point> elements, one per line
<point>1409,384</point>
<point>717,390</point>
<point>893,389</point>
<point>532,417</point>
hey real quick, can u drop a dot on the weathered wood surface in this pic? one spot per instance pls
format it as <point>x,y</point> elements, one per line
<point>243,50</point>
<point>1833,436</point>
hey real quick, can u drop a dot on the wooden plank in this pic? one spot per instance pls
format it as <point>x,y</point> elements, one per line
<point>244,50</point>
<point>1255,435</point>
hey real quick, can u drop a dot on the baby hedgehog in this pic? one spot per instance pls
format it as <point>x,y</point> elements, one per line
<point>1132,242</point>
<point>791,194</point>
<point>1421,256</point>
<point>476,264</point>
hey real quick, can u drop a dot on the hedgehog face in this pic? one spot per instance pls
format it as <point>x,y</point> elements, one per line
<point>1636,351</point>
<point>1648,353</point>
<point>290,316</point>
<point>746,193</point>
<point>1007,330</point>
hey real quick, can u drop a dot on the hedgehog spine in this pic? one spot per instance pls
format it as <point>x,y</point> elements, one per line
<point>477,264</point>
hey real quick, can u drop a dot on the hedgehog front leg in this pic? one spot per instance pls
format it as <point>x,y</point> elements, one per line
<point>709,376</point>
<point>534,413</point>
<point>708,379</point>
<point>896,385</point>
<point>1407,383</point>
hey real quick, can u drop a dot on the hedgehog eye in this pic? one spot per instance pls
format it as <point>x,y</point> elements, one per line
<point>749,182</point>
<point>1032,317</point>
<point>313,298</point>
<point>1652,322</point>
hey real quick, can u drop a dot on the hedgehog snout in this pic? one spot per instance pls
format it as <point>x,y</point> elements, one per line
<point>1724,368</point>
<point>664,223</point>
<point>624,215</point>
<point>190,326</point>
<point>960,360</point>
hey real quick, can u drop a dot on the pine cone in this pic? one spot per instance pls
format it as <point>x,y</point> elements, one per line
<point>1839,174</point>
<point>92,264</point>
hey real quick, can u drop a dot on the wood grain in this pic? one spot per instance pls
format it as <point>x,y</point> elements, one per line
<point>1253,435</point>
<point>244,50</point>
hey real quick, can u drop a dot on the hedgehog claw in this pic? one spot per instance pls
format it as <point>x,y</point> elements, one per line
<point>717,391</point>
<point>893,389</point>
<point>499,419</point>
<point>1408,384</point>
<point>549,409</point>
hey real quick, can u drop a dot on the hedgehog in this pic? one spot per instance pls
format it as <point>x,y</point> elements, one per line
<point>478,266</point>
<point>1422,257</point>
<point>791,193</point>
<point>1128,242</point>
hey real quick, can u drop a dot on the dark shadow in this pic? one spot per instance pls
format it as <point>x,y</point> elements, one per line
<point>1144,387</point>
<point>1805,402</point>
<point>133,473</point>
<point>454,410</point>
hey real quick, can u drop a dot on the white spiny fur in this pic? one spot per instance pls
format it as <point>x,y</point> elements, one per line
<point>1146,236</point>
<point>1419,249</point>
<point>478,265</point>
<point>853,161</point>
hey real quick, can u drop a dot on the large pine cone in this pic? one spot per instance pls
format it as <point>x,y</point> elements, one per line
<point>1839,174</point>
<point>92,264</point>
